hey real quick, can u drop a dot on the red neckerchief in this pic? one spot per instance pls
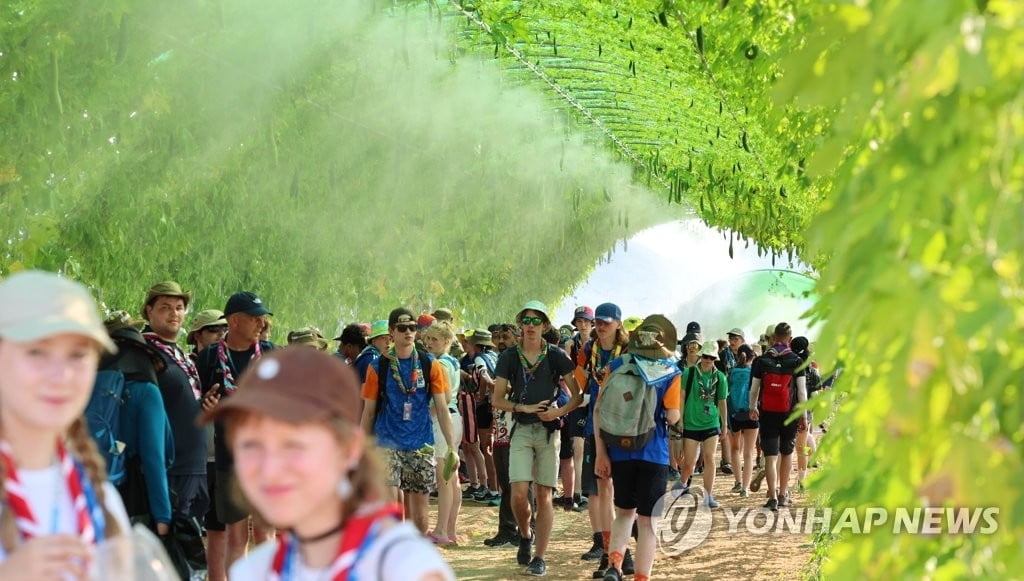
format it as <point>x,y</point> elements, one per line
<point>179,358</point>
<point>355,532</point>
<point>225,365</point>
<point>28,525</point>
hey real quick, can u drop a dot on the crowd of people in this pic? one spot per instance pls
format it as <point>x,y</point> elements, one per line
<point>325,462</point>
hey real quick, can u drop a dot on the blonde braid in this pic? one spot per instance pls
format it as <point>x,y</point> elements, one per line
<point>8,524</point>
<point>85,451</point>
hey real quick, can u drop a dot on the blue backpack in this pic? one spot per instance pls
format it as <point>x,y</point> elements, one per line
<point>739,389</point>
<point>103,415</point>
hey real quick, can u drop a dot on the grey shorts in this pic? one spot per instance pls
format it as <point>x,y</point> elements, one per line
<point>411,470</point>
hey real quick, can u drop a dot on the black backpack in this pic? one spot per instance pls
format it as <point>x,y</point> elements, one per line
<point>383,369</point>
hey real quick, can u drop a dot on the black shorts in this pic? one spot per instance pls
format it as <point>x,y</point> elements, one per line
<point>639,485</point>
<point>572,429</point>
<point>227,510</point>
<point>211,523</point>
<point>190,497</point>
<point>740,425</point>
<point>484,416</point>
<point>589,480</point>
<point>777,436</point>
<point>701,435</point>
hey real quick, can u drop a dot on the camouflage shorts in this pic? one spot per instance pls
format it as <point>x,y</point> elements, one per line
<point>412,470</point>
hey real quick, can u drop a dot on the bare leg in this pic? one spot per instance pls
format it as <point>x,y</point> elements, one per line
<point>771,475</point>
<point>521,507</point>
<point>749,443</point>
<point>488,474</point>
<point>577,459</point>
<point>238,540</point>
<point>567,473</point>
<point>785,469</point>
<point>216,555</point>
<point>444,503</point>
<point>417,503</point>
<point>643,560</point>
<point>708,448</point>
<point>545,518</point>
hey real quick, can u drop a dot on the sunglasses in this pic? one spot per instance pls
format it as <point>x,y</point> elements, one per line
<point>216,329</point>
<point>707,357</point>
<point>407,328</point>
<point>535,321</point>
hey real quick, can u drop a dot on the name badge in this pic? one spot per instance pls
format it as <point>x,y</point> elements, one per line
<point>407,411</point>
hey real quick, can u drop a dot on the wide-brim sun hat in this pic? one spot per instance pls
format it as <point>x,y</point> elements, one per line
<point>36,304</point>
<point>653,337</point>
<point>480,337</point>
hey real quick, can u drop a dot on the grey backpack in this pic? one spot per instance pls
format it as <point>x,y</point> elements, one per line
<point>628,404</point>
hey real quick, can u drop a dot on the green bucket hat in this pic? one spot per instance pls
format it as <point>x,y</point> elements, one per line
<point>377,328</point>
<point>534,306</point>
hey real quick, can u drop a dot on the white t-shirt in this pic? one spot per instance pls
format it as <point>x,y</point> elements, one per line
<point>409,557</point>
<point>42,493</point>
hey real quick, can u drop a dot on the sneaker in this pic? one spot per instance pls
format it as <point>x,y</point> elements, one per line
<point>612,574</point>
<point>744,493</point>
<point>772,505</point>
<point>596,550</point>
<point>755,484</point>
<point>679,489</point>
<point>602,568</point>
<point>496,501</point>
<point>784,499</point>
<point>673,474</point>
<point>710,501</point>
<point>726,467</point>
<point>499,540</point>
<point>562,501</point>
<point>470,492</point>
<point>627,564</point>
<point>484,496</point>
<point>525,549</point>
<point>737,487</point>
<point>537,567</point>
<point>583,501</point>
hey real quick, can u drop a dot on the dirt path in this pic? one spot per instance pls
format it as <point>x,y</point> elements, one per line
<point>740,555</point>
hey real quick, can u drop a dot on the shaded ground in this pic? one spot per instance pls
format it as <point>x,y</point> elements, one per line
<point>736,556</point>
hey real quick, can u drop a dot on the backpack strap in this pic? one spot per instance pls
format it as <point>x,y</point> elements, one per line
<point>425,363</point>
<point>689,380</point>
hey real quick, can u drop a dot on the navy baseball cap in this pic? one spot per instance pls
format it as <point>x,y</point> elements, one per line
<point>608,312</point>
<point>246,302</point>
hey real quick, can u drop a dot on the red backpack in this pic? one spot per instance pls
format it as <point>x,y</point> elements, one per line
<point>776,383</point>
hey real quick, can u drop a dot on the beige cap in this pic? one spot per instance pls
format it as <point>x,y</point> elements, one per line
<point>207,318</point>
<point>36,304</point>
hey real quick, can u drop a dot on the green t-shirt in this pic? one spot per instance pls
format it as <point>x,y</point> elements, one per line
<point>700,410</point>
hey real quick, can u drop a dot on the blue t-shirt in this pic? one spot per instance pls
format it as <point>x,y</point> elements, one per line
<point>656,450</point>
<point>391,429</point>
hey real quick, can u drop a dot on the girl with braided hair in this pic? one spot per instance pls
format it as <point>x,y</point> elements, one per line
<point>55,502</point>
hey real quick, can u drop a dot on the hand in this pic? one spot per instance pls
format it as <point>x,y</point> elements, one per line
<point>754,414</point>
<point>533,408</point>
<point>211,398</point>
<point>163,529</point>
<point>602,466</point>
<point>549,414</point>
<point>55,557</point>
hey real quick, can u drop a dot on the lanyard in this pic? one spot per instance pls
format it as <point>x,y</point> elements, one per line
<point>529,370</point>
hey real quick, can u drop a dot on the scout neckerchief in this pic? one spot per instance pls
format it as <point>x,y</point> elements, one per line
<point>596,367</point>
<point>89,519</point>
<point>529,370</point>
<point>226,366</point>
<point>358,533</point>
<point>414,379</point>
<point>179,358</point>
<point>705,383</point>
